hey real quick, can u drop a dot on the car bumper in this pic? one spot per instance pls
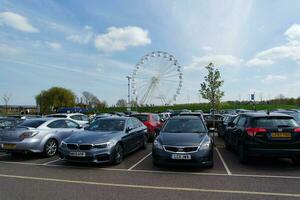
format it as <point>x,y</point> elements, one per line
<point>30,145</point>
<point>91,156</point>
<point>199,158</point>
<point>274,152</point>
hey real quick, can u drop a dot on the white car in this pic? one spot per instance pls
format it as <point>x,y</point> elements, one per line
<point>77,117</point>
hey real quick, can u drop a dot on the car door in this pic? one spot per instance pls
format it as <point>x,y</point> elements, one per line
<point>140,132</point>
<point>238,130</point>
<point>128,138</point>
<point>60,128</point>
<point>73,128</point>
<point>230,130</point>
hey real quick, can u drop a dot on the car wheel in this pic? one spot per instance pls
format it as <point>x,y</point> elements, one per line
<point>118,154</point>
<point>243,156</point>
<point>154,162</point>
<point>144,145</point>
<point>50,148</point>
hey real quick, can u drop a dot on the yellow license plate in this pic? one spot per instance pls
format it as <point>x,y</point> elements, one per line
<point>9,146</point>
<point>281,135</point>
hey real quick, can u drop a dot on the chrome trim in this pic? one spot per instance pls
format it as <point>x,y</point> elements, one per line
<point>181,147</point>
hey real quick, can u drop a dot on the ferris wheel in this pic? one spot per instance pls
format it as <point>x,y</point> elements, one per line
<point>157,79</point>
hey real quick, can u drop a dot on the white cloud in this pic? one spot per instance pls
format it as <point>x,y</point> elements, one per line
<point>270,78</point>
<point>118,39</point>
<point>81,39</point>
<point>17,22</point>
<point>290,50</point>
<point>54,45</point>
<point>218,60</point>
<point>293,32</point>
<point>207,48</point>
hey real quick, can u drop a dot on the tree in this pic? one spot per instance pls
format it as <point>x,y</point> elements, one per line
<point>211,87</point>
<point>54,98</point>
<point>6,99</point>
<point>121,103</point>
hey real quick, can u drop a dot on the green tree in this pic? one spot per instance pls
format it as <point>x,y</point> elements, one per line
<point>55,97</point>
<point>211,87</point>
<point>121,103</point>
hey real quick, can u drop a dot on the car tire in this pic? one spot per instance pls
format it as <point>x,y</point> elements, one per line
<point>118,154</point>
<point>243,155</point>
<point>50,148</point>
<point>144,145</point>
<point>154,162</point>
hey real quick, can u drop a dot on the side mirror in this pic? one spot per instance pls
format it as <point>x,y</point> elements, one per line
<point>231,124</point>
<point>128,129</point>
<point>79,126</point>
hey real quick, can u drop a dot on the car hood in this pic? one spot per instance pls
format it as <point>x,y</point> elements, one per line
<point>92,137</point>
<point>181,139</point>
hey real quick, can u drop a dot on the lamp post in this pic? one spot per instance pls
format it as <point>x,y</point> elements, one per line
<point>128,100</point>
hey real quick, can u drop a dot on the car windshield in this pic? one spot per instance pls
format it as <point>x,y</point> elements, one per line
<point>107,125</point>
<point>274,122</point>
<point>32,123</point>
<point>142,118</point>
<point>184,126</point>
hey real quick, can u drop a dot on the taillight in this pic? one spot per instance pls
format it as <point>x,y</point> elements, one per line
<point>297,130</point>
<point>252,131</point>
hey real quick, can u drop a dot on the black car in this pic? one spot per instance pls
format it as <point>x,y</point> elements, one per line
<point>184,140</point>
<point>294,113</point>
<point>224,124</point>
<point>264,134</point>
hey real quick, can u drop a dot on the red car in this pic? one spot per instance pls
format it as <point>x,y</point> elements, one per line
<point>152,121</point>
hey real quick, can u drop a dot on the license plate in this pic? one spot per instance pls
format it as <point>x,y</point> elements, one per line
<point>8,146</point>
<point>181,157</point>
<point>281,135</point>
<point>77,154</point>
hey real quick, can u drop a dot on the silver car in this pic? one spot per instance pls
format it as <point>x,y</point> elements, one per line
<point>41,135</point>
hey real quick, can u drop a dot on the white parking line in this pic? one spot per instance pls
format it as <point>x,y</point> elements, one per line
<point>223,161</point>
<point>133,166</point>
<point>157,172</point>
<point>52,161</point>
<point>149,187</point>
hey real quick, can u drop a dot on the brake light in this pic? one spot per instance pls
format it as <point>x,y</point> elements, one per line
<point>252,131</point>
<point>297,130</point>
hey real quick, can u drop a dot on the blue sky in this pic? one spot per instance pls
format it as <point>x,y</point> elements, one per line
<point>93,45</point>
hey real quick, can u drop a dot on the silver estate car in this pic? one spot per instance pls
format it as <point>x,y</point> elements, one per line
<point>42,135</point>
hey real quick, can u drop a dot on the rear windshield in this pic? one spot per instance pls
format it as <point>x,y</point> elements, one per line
<point>142,118</point>
<point>274,122</point>
<point>32,123</point>
<point>6,123</point>
<point>184,126</point>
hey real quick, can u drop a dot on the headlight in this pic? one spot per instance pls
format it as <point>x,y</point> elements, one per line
<point>157,145</point>
<point>205,145</point>
<point>103,145</point>
<point>28,134</point>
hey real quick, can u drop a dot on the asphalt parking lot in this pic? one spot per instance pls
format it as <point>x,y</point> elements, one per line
<point>34,177</point>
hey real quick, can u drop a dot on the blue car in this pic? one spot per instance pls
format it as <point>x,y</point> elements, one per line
<point>106,140</point>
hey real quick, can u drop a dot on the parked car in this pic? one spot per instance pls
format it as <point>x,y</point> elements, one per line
<point>8,122</point>
<point>152,122</point>
<point>213,120</point>
<point>263,134</point>
<point>223,126</point>
<point>184,140</point>
<point>42,135</point>
<point>197,114</point>
<point>165,115</point>
<point>77,117</point>
<point>106,140</point>
<point>294,113</point>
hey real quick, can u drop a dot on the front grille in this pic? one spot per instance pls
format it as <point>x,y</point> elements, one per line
<point>85,146</point>
<point>180,149</point>
<point>72,146</point>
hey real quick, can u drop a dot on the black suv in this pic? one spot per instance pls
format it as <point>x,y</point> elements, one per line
<point>263,134</point>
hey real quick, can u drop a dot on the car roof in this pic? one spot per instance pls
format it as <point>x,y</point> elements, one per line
<point>185,117</point>
<point>262,114</point>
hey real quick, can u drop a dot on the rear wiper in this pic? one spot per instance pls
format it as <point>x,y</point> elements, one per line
<point>282,126</point>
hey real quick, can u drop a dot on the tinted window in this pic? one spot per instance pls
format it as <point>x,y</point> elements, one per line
<point>76,117</point>
<point>274,122</point>
<point>242,121</point>
<point>58,116</point>
<point>236,120</point>
<point>184,125</point>
<point>32,123</point>
<point>58,124</point>
<point>71,124</point>
<point>107,125</point>
<point>130,123</point>
<point>142,118</point>
<point>136,123</point>
<point>84,118</point>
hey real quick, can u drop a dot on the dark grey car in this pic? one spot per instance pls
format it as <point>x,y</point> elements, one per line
<point>106,140</point>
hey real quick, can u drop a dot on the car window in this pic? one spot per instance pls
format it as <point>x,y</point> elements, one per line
<point>137,123</point>
<point>32,123</point>
<point>72,124</point>
<point>57,116</point>
<point>274,122</point>
<point>58,124</point>
<point>235,121</point>
<point>156,118</point>
<point>76,117</point>
<point>184,126</point>
<point>105,124</point>
<point>130,123</point>
<point>6,123</point>
<point>242,121</point>
<point>84,118</point>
